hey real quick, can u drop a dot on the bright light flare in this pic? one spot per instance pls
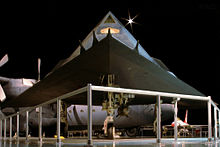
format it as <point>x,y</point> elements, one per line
<point>130,20</point>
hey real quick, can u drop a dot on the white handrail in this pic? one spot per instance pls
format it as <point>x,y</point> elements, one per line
<point>147,92</point>
<point>120,90</point>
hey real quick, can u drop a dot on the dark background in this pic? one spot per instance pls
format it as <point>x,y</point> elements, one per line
<point>183,34</point>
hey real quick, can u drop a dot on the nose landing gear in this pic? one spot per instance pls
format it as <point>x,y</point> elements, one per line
<point>112,102</point>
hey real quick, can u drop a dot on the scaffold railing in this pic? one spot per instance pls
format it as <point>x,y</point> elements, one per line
<point>89,88</point>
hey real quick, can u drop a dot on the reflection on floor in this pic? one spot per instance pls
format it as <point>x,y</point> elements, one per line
<point>140,142</point>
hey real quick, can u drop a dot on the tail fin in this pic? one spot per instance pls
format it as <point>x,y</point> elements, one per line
<point>186,116</point>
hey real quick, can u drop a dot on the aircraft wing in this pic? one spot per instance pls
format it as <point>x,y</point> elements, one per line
<point>109,56</point>
<point>161,64</point>
<point>4,80</point>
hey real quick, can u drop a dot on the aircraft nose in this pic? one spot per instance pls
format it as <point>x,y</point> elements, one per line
<point>167,111</point>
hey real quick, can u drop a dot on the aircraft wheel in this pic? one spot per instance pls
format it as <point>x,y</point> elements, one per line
<point>132,132</point>
<point>110,131</point>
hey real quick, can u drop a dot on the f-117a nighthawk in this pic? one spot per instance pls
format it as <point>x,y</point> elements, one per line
<point>108,56</point>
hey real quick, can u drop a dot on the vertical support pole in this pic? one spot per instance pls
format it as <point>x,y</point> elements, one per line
<point>1,129</point>
<point>209,120</point>
<point>58,120</point>
<point>175,121</point>
<point>10,128</point>
<point>5,126</point>
<point>17,125</point>
<point>89,103</point>
<point>40,123</point>
<point>27,126</point>
<point>215,121</point>
<point>219,124</point>
<point>158,120</point>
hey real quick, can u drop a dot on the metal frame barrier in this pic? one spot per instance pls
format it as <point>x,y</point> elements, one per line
<point>89,88</point>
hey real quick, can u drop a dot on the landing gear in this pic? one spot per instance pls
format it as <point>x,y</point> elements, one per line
<point>132,132</point>
<point>113,101</point>
<point>63,119</point>
<point>109,129</point>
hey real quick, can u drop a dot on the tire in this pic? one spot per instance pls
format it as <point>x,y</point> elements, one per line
<point>132,132</point>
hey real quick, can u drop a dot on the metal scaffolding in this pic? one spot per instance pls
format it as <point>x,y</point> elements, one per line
<point>89,88</point>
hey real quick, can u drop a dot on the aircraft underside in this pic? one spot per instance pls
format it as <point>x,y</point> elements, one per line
<point>138,115</point>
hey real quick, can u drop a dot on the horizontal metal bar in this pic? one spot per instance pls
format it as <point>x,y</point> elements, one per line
<point>119,90</point>
<point>67,95</point>
<point>147,92</point>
